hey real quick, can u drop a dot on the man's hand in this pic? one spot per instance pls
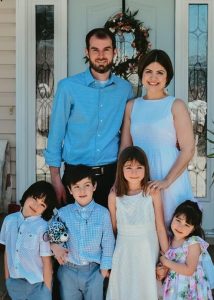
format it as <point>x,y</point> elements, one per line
<point>60,191</point>
<point>58,186</point>
<point>105,273</point>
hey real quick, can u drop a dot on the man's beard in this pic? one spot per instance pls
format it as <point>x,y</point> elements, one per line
<point>101,68</point>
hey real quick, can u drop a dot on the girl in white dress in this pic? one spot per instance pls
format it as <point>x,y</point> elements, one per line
<point>157,123</point>
<point>137,219</point>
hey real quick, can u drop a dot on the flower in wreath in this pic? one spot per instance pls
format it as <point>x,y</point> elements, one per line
<point>132,43</point>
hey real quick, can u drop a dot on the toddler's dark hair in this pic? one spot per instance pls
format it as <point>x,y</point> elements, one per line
<point>42,189</point>
<point>193,214</point>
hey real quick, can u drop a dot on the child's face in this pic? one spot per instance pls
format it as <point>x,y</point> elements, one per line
<point>133,172</point>
<point>180,228</point>
<point>34,207</point>
<point>82,191</point>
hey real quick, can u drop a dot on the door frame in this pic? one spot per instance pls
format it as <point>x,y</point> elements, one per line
<point>181,89</point>
<point>26,82</point>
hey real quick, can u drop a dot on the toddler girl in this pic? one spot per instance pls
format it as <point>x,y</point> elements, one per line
<point>186,278</point>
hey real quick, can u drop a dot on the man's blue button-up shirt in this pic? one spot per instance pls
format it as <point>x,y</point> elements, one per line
<point>91,237</point>
<point>86,119</point>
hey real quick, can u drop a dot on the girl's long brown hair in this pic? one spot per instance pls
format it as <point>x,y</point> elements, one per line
<point>130,154</point>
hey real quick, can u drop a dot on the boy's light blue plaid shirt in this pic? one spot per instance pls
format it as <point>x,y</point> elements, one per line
<point>91,237</point>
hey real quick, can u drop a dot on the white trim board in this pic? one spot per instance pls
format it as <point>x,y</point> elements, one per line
<point>25,82</point>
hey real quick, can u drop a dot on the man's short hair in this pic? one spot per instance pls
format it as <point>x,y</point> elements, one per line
<point>100,33</point>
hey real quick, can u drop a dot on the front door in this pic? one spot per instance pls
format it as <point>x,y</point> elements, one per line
<point>194,82</point>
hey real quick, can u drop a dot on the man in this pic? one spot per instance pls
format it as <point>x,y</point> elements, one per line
<point>86,118</point>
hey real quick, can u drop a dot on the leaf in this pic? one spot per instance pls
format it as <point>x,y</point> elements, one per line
<point>135,13</point>
<point>210,131</point>
<point>211,141</point>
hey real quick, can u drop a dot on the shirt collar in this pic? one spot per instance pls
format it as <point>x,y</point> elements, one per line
<point>89,207</point>
<point>90,79</point>
<point>22,218</point>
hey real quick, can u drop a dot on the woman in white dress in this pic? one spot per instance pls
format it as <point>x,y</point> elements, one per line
<point>158,123</point>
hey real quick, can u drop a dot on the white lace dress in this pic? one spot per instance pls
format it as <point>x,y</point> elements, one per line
<point>134,260</point>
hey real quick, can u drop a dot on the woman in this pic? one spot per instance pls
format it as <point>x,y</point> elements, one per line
<point>157,123</point>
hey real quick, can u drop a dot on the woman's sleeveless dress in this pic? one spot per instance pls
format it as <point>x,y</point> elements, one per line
<point>152,129</point>
<point>136,252</point>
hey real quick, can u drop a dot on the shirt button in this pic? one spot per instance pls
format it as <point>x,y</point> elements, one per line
<point>101,121</point>
<point>98,135</point>
<point>101,105</point>
<point>98,150</point>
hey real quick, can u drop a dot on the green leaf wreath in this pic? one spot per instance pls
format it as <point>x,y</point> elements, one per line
<point>123,23</point>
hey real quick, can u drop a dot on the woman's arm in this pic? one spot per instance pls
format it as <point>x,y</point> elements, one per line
<point>112,210</point>
<point>126,139</point>
<point>185,137</point>
<point>6,270</point>
<point>189,267</point>
<point>159,221</point>
<point>47,271</point>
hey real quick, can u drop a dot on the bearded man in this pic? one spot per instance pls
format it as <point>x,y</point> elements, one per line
<point>86,119</point>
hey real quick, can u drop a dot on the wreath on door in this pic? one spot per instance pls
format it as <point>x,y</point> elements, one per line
<point>132,43</point>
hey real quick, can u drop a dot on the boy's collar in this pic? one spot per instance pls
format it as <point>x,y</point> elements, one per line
<point>22,217</point>
<point>89,206</point>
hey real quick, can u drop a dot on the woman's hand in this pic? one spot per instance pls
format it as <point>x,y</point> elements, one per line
<point>157,185</point>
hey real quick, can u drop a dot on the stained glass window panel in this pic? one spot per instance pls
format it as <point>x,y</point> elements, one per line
<point>197,93</point>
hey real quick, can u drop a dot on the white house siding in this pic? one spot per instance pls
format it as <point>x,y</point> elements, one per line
<point>7,79</point>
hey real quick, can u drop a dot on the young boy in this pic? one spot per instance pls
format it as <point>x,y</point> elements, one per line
<point>86,262</point>
<point>27,258</point>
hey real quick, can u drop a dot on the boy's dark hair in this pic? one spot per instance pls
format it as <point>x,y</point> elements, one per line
<point>160,57</point>
<point>130,154</point>
<point>193,216</point>
<point>100,33</point>
<point>42,189</point>
<point>79,172</point>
